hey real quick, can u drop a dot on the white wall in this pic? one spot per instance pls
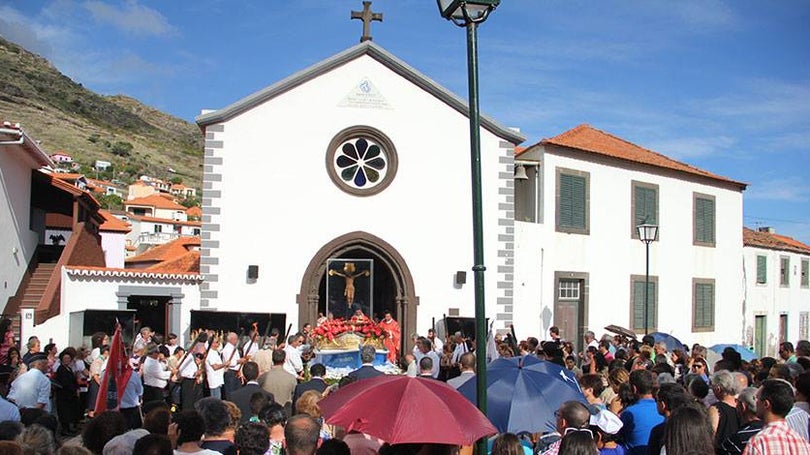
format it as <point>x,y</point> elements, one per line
<point>610,256</point>
<point>17,241</point>
<point>99,293</point>
<point>770,299</point>
<point>114,246</point>
<point>279,206</point>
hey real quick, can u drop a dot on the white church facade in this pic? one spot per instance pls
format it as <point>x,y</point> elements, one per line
<point>358,159</point>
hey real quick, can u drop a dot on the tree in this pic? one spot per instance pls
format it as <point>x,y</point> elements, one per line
<point>121,148</point>
<point>110,201</point>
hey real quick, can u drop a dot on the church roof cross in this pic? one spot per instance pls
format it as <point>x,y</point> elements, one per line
<point>367,16</point>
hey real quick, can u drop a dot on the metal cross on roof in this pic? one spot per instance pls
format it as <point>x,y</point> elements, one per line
<point>367,16</point>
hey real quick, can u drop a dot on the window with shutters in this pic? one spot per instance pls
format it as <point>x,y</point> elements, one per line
<point>762,269</point>
<point>643,206</point>
<point>704,225</point>
<point>702,305</point>
<point>637,304</point>
<point>784,271</point>
<point>573,201</point>
<point>805,270</point>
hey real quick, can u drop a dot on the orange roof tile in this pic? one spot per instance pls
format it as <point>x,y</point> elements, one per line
<point>155,201</point>
<point>67,175</point>
<point>187,263</point>
<point>589,139</point>
<point>773,241</point>
<point>194,211</point>
<point>131,273</point>
<point>167,251</point>
<point>113,224</point>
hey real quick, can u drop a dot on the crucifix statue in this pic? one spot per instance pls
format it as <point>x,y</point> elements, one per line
<point>367,16</point>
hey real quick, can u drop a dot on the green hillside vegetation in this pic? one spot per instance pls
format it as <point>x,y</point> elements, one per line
<point>64,116</point>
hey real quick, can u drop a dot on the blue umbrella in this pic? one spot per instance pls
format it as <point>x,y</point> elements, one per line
<point>524,392</point>
<point>746,354</point>
<point>671,342</point>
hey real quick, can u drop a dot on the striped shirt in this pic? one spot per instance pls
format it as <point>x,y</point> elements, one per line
<point>777,438</point>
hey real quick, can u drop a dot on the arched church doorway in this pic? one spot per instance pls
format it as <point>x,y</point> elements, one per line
<point>389,286</point>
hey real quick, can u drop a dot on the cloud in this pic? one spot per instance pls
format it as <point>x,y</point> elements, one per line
<point>791,189</point>
<point>131,18</point>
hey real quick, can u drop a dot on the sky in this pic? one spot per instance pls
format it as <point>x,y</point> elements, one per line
<point>722,85</point>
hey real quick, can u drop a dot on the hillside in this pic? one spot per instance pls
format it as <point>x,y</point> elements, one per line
<point>65,116</point>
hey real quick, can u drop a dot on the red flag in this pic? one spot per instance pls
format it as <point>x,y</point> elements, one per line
<point>116,375</point>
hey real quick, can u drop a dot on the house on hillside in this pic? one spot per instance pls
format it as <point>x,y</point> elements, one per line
<point>61,158</point>
<point>777,290</point>
<point>579,264</point>
<point>182,191</point>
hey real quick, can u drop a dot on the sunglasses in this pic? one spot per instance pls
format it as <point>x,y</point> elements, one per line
<point>698,365</point>
<point>572,430</point>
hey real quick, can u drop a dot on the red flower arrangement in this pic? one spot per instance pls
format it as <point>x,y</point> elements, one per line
<point>331,329</point>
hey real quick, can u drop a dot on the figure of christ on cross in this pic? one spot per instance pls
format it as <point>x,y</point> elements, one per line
<point>349,276</point>
<point>367,16</point>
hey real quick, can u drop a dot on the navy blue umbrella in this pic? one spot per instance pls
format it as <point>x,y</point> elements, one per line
<point>524,392</point>
<point>746,354</point>
<point>671,342</point>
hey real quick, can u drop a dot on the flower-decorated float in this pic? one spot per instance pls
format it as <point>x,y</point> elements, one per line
<point>338,342</point>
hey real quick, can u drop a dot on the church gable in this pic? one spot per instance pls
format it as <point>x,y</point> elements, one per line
<point>364,95</point>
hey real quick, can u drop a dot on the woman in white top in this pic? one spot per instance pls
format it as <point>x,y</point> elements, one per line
<point>215,369</point>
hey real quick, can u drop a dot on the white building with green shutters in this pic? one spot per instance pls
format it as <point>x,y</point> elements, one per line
<point>579,264</point>
<point>777,290</point>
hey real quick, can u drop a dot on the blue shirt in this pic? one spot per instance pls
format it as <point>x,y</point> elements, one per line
<point>8,411</point>
<point>31,389</point>
<point>638,420</point>
<point>132,392</point>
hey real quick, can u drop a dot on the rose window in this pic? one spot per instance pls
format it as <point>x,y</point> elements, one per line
<point>361,161</point>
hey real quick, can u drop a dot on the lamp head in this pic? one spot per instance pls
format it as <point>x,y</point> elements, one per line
<point>647,232</point>
<point>463,12</point>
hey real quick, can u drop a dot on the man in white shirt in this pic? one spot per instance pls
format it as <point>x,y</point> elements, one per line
<point>32,389</point>
<point>171,343</point>
<point>155,375</point>
<point>425,351</point>
<point>293,363</point>
<point>232,359</point>
<point>189,372</point>
<point>460,349</point>
<point>438,344</point>
<point>215,370</point>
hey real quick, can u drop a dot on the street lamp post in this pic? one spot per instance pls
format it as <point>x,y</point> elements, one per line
<point>468,14</point>
<point>647,233</point>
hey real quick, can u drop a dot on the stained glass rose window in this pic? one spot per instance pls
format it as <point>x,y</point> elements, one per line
<point>361,161</point>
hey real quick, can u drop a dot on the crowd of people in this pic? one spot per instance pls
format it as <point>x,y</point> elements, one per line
<point>228,394</point>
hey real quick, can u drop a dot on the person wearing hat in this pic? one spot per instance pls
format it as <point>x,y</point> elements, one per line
<point>155,375</point>
<point>32,389</point>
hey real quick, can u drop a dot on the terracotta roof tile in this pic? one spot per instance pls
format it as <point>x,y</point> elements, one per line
<point>155,201</point>
<point>589,139</point>
<point>131,273</point>
<point>187,263</point>
<point>113,224</point>
<point>195,211</point>
<point>167,251</point>
<point>773,241</point>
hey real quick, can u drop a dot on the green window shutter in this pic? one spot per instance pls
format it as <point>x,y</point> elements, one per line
<point>704,220</point>
<point>572,201</point>
<point>805,272</point>
<point>704,306</point>
<point>645,206</point>
<point>638,306</point>
<point>762,269</point>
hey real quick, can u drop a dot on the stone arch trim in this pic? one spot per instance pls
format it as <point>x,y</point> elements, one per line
<point>406,297</point>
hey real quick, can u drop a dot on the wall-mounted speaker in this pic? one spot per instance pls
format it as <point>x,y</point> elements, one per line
<point>461,277</point>
<point>253,272</point>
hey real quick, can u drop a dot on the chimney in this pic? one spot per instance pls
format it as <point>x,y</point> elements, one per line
<point>767,229</point>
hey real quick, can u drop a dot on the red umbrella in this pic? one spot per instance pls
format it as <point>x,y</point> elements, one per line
<point>393,409</point>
